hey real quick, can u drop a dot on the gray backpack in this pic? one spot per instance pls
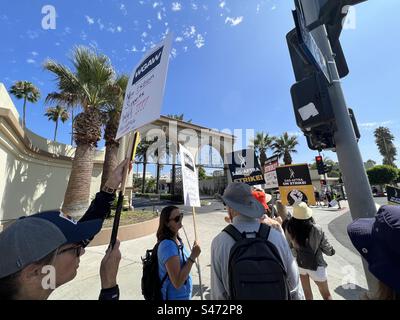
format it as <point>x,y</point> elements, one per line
<point>256,271</point>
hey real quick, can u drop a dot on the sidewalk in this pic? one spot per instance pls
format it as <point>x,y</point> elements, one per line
<point>343,266</point>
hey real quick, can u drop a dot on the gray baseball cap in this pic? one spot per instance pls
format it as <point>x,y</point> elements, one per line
<point>238,196</point>
<point>32,238</point>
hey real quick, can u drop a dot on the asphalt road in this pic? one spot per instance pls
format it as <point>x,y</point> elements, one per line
<point>338,227</point>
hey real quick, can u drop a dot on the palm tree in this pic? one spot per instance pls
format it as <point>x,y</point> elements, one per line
<point>179,117</point>
<point>284,146</point>
<point>384,140</point>
<point>262,143</point>
<point>27,91</point>
<point>87,85</point>
<point>111,117</point>
<point>67,100</point>
<point>142,156</point>
<point>55,114</point>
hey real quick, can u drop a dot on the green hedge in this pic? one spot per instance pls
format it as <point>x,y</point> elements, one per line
<point>170,197</point>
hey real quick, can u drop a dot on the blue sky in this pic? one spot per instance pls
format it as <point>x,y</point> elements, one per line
<point>230,67</point>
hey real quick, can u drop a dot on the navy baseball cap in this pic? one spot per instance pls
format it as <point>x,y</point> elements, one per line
<point>30,239</point>
<point>377,239</point>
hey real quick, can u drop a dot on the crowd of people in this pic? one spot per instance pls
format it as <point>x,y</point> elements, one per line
<point>265,251</point>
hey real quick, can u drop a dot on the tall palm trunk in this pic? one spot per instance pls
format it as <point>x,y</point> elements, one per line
<point>77,195</point>
<point>263,158</point>
<point>72,133</point>
<point>87,133</point>
<point>287,158</point>
<point>110,162</point>
<point>158,179</point>
<point>55,131</point>
<point>23,114</point>
<point>144,174</point>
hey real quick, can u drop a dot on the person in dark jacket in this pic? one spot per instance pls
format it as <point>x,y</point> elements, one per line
<point>42,252</point>
<point>309,243</point>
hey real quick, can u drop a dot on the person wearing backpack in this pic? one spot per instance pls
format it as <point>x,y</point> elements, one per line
<point>309,242</point>
<point>174,261</point>
<point>250,260</point>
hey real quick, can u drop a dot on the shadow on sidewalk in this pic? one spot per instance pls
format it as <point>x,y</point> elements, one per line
<point>354,292</point>
<point>196,292</point>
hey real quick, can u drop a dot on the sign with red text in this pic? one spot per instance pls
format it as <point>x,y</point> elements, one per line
<point>145,91</point>
<point>270,165</point>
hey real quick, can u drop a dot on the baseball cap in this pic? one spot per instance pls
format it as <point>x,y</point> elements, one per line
<point>377,240</point>
<point>32,238</point>
<point>239,197</point>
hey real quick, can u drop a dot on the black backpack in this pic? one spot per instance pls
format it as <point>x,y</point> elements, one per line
<point>151,284</point>
<point>256,271</point>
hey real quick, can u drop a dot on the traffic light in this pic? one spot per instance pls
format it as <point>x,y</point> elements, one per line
<point>332,14</point>
<point>320,164</point>
<point>311,98</point>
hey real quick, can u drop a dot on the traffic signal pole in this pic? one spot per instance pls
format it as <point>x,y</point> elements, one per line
<point>355,179</point>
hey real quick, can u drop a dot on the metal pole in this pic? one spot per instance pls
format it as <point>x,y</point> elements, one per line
<point>355,179</point>
<point>197,264</point>
<point>198,258</point>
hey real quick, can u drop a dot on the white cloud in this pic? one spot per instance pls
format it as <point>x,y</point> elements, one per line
<point>101,25</point>
<point>149,26</point>
<point>295,133</point>
<point>194,6</point>
<point>57,44</point>
<point>190,32</point>
<point>222,4</point>
<point>173,53</point>
<point>178,39</point>
<point>176,6</point>
<point>273,8</point>
<point>144,34</point>
<point>67,30</point>
<point>234,21</point>
<point>134,49</point>
<point>32,34</point>
<point>30,61</point>
<point>123,9</point>
<point>258,8</point>
<point>185,49</point>
<point>199,42</point>
<point>155,4</point>
<point>119,29</point>
<point>83,35</point>
<point>34,53</point>
<point>374,125</point>
<point>89,20</point>
<point>159,15</point>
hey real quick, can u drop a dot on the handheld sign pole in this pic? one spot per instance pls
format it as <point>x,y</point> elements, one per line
<point>198,258</point>
<point>130,155</point>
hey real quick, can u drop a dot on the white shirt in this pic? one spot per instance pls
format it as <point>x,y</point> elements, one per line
<point>220,250</point>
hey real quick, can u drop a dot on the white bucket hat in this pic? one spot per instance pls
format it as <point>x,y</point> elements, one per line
<point>301,211</point>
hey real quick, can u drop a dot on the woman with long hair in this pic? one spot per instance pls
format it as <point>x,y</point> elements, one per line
<point>309,243</point>
<point>174,261</point>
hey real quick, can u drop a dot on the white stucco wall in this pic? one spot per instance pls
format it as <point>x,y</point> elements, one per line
<point>31,182</point>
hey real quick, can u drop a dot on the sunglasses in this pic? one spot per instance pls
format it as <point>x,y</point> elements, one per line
<point>77,249</point>
<point>177,218</point>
